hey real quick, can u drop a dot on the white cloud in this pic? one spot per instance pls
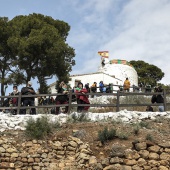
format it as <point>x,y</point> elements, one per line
<point>128,29</point>
<point>131,30</point>
<point>143,30</point>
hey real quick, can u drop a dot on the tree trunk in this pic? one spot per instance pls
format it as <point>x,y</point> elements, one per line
<point>43,85</point>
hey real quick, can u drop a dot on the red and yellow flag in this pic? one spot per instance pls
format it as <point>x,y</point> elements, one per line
<point>104,54</point>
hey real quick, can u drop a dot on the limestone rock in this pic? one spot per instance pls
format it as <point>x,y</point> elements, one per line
<point>105,162</point>
<point>44,155</point>
<point>5,165</point>
<point>144,154</point>
<point>165,144</point>
<point>60,152</point>
<point>86,151</point>
<point>136,167</point>
<point>10,150</point>
<point>23,155</point>
<point>30,160</point>
<point>167,150</point>
<point>130,162</point>
<point>164,162</point>
<point>153,163</point>
<point>73,144</point>
<point>92,160</point>
<point>70,148</point>
<point>18,164</point>
<point>115,160</point>
<point>84,156</point>
<point>117,151</point>
<point>77,140</point>
<point>165,156</point>
<point>140,146</point>
<point>154,156</point>
<point>2,150</point>
<point>163,168</point>
<point>131,154</point>
<point>14,155</point>
<point>113,167</point>
<point>141,162</point>
<point>28,144</point>
<point>154,148</point>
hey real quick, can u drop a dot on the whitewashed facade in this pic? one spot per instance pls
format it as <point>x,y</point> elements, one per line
<point>94,77</point>
<point>109,73</point>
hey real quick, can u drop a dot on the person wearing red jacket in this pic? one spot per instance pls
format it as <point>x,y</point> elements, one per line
<point>81,98</point>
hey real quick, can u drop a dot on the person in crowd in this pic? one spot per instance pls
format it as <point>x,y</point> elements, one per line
<point>149,109</point>
<point>101,86</point>
<point>81,98</point>
<point>51,100</point>
<point>103,62</point>
<point>40,101</point>
<point>158,98</point>
<point>87,87</point>
<point>126,85</point>
<point>109,88</point>
<point>62,99</point>
<point>45,102</point>
<point>14,100</point>
<point>148,88</point>
<point>94,88</point>
<point>74,99</point>
<point>6,103</point>
<point>135,88</point>
<point>28,90</point>
<point>141,87</point>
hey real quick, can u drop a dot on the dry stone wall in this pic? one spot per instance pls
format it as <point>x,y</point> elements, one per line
<point>73,154</point>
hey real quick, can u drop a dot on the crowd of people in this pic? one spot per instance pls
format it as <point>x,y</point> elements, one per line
<point>80,96</point>
<point>12,101</point>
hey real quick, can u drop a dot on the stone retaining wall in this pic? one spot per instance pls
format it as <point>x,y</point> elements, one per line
<point>73,154</point>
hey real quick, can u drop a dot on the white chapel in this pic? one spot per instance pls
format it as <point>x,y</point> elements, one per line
<point>113,71</point>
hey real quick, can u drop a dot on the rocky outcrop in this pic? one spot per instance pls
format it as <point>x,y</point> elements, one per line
<point>74,154</point>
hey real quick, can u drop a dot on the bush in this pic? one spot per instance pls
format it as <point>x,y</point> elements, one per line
<point>106,135</point>
<point>81,117</point>
<point>39,128</point>
<point>123,135</point>
<point>144,124</point>
<point>136,129</point>
<point>149,137</point>
<point>159,119</point>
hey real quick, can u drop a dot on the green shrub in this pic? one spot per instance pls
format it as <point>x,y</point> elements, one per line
<point>144,124</point>
<point>149,137</point>
<point>39,128</point>
<point>122,135</point>
<point>136,129</point>
<point>80,117</point>
<point>159,119</point>
<point>106,135</point>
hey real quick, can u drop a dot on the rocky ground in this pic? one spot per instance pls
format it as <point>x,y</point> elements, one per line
<point>156,131</point>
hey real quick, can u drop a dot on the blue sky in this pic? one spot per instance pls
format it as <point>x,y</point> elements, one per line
<point>128,29</point>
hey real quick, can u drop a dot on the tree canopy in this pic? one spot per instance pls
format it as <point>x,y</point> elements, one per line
<point>147,73</point>
<point>39,49</point>
<point>6,56</point>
